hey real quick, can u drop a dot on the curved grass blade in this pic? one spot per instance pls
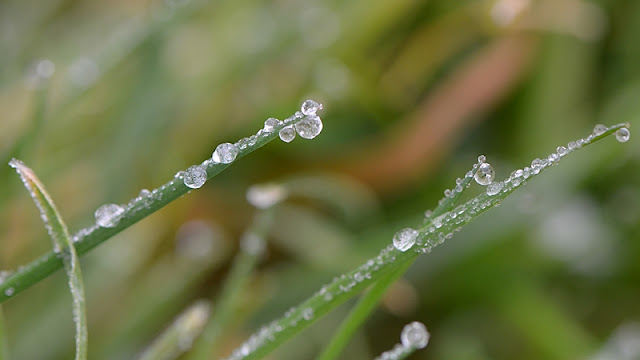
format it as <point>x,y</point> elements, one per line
<point>138,209</point>
<point>389,259</point>
<point>63,249</point>
<point>179,336</point>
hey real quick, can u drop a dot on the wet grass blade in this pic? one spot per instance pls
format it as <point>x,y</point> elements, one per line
<point>63,249</point>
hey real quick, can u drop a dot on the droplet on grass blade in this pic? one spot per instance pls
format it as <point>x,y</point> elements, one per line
<point>415,335</point>
<point>310,107</point>
<point>195,176</point>
<point>404,239</point>
<point>287,134</point>
<point>309,127</point>
<point>225,153</point>
<point>599,129</point>
<point>108,216</point>
<point>270,124</point>
<point>485,174</point>
<point>623,135</point>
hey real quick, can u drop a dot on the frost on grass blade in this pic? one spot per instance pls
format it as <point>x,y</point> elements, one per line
<point>63,247</point>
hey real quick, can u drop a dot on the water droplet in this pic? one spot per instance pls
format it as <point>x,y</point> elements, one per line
<point>482,159</point>
<point>9,291</point>
<point>485,174</point>
<point>265,196</point>
<point>415,335</point>
<point>195,176</point>
<point>270,124</point>
<point>623,134</point>
<point>310,107</point>
<point>494,188</point>
<point>404,239</point>
<point>307,314</point>
<point>599,130</point>
<point>108,215</point>
<point>144,193</point>
<point>287,134</point>
<point>225,153</point>
<point>561,150</point>
<point>309,127</point>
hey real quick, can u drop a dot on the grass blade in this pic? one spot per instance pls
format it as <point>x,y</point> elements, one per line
<point>63,248</point>
<point>179,336</point>
<point>4,348</point>
<point>389,259</point>
<point>137,209</point>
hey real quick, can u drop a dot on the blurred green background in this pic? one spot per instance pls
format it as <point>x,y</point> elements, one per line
<point>104,98</point>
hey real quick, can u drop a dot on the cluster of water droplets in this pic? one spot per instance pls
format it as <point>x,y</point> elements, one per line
<point>414,336</point>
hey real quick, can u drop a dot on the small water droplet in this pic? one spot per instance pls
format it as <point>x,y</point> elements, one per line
<point>195,176</point>
<point>485,174</point>
<point>599,130</point>
<point>144,193</point>
<point>572,145</point>
<point>494,188</point>
<point>310,107</point>
<point>108,215</point>
<point>623,135</point>
<point>307,314</point>
<point>482,159</point>
<point>287,134</point>
<point>404,239</point>
<point>415,335</point>
<point>225,153</point>
<point>309,127</point>
<point>270,124</point>
<point>561,150</point>
<point>9,291</point>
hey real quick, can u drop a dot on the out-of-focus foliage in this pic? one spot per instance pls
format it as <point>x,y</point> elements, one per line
<point>105,98</point>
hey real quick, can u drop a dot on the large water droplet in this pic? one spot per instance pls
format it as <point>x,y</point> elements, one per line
<point>309,127</point>
<point>195,176</point>
<point>225,153</point>
<point>485,174</point>
<point>270,124</point>
<point>623,135</point>
<point>108,215</point>
<point>404,239</point>
<point>287,133</point>
<point>599,130</point>
<point>310,107</point>
<point>415,335</point>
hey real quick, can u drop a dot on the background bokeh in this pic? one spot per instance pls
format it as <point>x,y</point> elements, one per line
<point>104,98</point>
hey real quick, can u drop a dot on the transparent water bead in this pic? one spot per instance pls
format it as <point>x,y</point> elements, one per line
<point>270,124</point>
<point>9,291</point>
<point>415,335</point>
<point>195,176</point>
<point>310,107</point>
<point>108,216</point>
<point>225,153</point>
<point>599,130</point>
<point>623,135</point>
<point>287,134</point>
<point>309,127</point>
<point>494,188</point>
<point>404,239</point>
<point>485,174</point>
<point>561,151</point>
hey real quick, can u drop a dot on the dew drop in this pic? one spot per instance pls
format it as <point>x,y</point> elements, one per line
<point>623,134</point>
<point>195,176</point>
<point>225,153</point>
<point>108,216</point>
<point>482,159</point>
<point>309,127</point>
<point>485,174</point>
<point>415,335</point>
<point>310,107</point>
<point>599,130</point>
<point>404,239</point>
<point>561,150</point>
<point>9,291</point>
<point>270,124</point>
<point>287,134</point>
<point>144,193</point>
<point>307,314</point>
<point>494,188</point>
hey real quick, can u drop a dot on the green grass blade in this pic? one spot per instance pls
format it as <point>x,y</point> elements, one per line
<point>389,259</point>
<point>63,248</point>
<point>137,209</point>
<point>243,265</point>
<point>179,336</point>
